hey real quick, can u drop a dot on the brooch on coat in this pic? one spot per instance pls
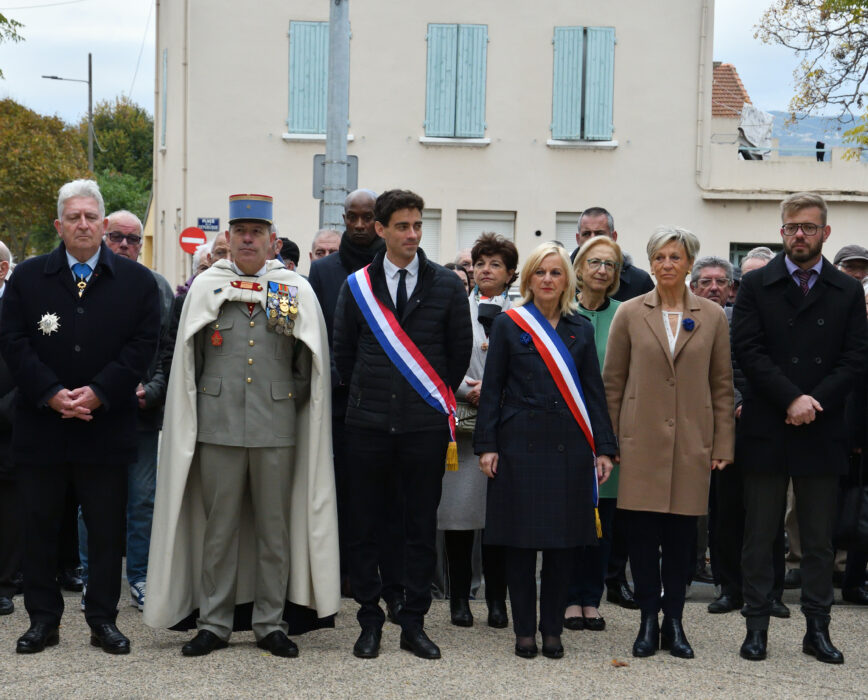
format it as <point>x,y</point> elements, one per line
<point>688,324</point>
<point>48,324</point>
<point>282,307</point>
<point>525,339</point>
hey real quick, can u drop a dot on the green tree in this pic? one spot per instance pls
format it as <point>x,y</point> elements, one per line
<point>124,191</point>
<point>831,37</point>
<point>124,139</point>
<point>9,31</point>
<point>37,155</point>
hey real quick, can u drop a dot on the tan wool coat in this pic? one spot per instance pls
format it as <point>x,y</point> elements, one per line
<point>672,412</point>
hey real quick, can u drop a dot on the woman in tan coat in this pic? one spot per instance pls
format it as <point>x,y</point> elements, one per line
<point>668,383</point>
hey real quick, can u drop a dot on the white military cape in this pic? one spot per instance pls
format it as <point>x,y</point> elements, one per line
<point>175,561</point>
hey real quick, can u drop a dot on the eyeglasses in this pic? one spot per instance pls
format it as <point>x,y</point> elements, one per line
<point>596,263</point>
<point>117,237</point>
<point>793,229</point>
<point>706,282</point>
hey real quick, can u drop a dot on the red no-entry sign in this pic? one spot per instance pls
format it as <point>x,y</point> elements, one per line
<point>191,238</point>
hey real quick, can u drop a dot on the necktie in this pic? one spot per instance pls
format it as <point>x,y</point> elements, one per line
<point>81,271</point>
<point>401,296</point>
<point>804,276</point>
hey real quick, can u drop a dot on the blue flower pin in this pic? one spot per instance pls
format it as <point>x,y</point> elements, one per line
<point>688,324</point>
<point>525,339</point>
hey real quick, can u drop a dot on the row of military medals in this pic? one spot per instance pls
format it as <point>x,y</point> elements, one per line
<point>282,307</point>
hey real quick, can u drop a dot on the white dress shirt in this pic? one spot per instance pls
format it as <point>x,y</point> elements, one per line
<point>392,277</point>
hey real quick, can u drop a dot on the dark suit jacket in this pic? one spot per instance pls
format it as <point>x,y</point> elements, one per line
<point>7,411</point>
<point>106,339</point>
<point>788,344</point>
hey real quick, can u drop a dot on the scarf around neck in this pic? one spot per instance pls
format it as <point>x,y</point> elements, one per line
<point>354,256</point>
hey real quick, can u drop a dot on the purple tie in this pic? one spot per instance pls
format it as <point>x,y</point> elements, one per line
<point>804,276</point>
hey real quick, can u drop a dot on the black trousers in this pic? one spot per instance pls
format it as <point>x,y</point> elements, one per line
<point>726,519</point>
<point>765,499</point>
<point>616,570</point>
<point>102,491</point>
<point>459,554</point>
<point>11,536</point>
<point>662,553</point>
<point>407,468</point>
<point>554,581</point>
<point>390,538</point>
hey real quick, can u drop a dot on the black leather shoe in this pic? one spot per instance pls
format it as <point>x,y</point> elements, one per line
<point>817,642</point>
<point>526,652</point>
<point>778,609</point>
<point>574,623</point>
<point>859,596</point>
<point>110,638</point>
<point>672,637</point>
<point>39,636</point>
<point>202,644</point>
<point>278,644</point>
<point>460,610</point>
<point>755,645</point>
<point>793,579</point>
<point>553,649</point>
<point>622,595</point>
<point>394,609</point>
<point>595,624</point>
<point>726,603</point>
<point>70,580</point>
<point>367,646</point>
<point>648,640</point>
<point>497,616</point>
<point>417,642</point>
<point>7,607</point>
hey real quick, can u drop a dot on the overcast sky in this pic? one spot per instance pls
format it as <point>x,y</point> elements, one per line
<point>60,33</point>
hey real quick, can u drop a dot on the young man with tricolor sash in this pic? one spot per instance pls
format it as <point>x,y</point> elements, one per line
<point>402,342</point>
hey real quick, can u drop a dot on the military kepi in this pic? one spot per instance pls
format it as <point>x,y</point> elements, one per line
<point>251,207</point>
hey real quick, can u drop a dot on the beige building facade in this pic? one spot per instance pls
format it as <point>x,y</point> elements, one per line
<point>510,117</point>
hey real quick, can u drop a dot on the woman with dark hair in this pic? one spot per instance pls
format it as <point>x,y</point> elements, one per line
<point>462,504</point>
<point>544,440</point>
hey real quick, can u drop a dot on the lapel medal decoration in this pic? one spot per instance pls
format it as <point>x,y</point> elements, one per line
<point>48,324</point>
<point>282,307</point>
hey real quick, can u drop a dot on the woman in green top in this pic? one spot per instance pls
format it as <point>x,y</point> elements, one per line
<point>598,273</point>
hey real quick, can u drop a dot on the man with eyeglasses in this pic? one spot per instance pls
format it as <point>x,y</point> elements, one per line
<point>800,337</point>
<point>124,238</point>
<point>853,260</point>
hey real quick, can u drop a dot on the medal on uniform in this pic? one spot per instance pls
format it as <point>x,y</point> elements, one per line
<point>282,307</point>
<point>216,339</point>
<point>81,284</point>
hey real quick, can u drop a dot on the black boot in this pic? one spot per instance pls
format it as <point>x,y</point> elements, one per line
<point>755,645</point>
<point>817,642</point>
<point>497,616</point>
<point>672,637</point>
<point>648,640</point>
<point>461,615</point>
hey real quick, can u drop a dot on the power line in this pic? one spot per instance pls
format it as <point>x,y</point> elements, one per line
<point>141,49</point>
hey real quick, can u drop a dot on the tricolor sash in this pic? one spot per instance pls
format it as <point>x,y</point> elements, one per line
<point>404,354</point>
<point>563,369</point>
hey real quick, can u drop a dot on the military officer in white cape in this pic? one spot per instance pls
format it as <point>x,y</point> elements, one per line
<point>245,506</point>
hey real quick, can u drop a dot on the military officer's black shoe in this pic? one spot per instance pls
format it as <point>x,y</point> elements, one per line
<point>202,644</point>
<point>278,644</point>
<point>417,642</point>
<point>39,636</point>
<point>110,638</point>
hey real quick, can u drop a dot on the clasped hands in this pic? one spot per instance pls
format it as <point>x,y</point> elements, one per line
<point>75,403</point>
<point>803,410</point>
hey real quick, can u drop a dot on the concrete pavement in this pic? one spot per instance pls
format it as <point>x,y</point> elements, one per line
<point>477,662</point>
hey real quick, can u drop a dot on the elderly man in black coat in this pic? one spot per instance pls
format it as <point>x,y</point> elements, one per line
<point>78,331</point>
<point>394,435</point>
<point>800,337</point>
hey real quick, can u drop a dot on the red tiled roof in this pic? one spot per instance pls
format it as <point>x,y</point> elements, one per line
<point>727,91</point>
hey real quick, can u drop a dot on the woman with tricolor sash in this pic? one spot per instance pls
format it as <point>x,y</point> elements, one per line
<point>544,439</point>
<point>668,377</point>
<point>598,276</point>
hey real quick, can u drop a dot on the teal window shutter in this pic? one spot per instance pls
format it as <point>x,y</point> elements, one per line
<point>567,83</point>
<point>470,83</point>
<point>440,89</point>
<point>599,83</point>
<point>308,77</point>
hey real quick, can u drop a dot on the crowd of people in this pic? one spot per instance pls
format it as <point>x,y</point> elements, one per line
<point>315,434</point>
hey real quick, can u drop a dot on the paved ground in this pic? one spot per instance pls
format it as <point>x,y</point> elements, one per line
<point>476,662</point>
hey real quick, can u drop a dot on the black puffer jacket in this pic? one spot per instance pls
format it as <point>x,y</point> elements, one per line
<point>437,319</point>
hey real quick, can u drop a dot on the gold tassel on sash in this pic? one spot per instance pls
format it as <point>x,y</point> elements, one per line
<point>597,523</point>
<point>452,457</point>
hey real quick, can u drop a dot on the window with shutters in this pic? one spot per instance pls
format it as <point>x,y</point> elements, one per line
<point>583,83</point>
<point>308,77</point>
<point>455,91</point>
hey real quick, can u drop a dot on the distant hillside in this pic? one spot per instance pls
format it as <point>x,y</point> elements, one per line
<point>803,135</point>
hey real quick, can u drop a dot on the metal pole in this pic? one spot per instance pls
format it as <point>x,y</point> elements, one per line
<point>335,187</point>
<point>89,113</point>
